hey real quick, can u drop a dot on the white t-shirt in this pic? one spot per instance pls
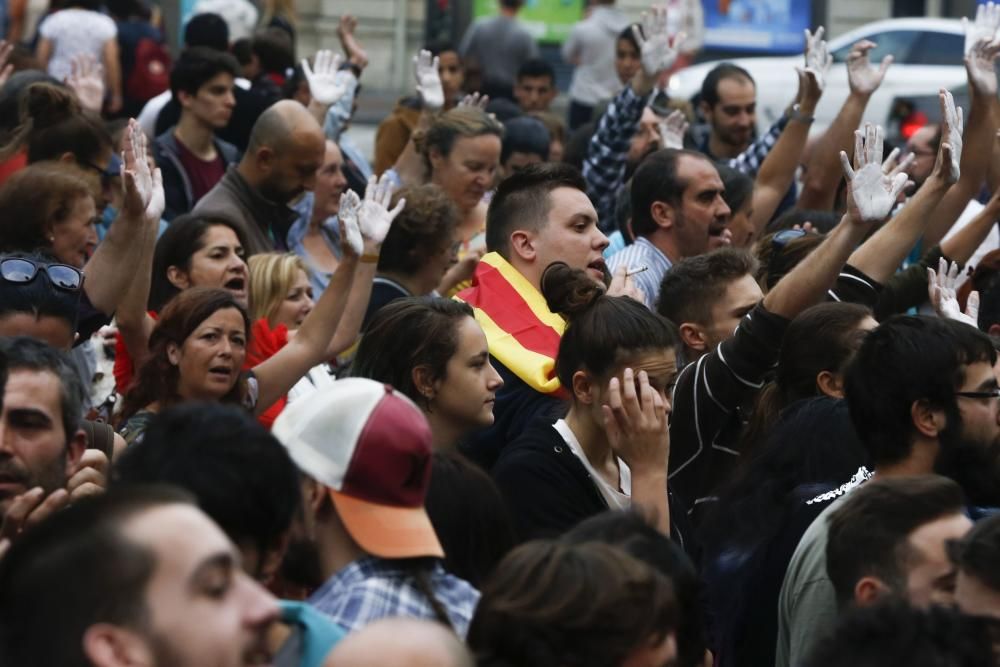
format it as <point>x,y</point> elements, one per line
<point>617,498</point>
<point>74,32</point>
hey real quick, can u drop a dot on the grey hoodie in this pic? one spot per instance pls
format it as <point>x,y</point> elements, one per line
<point>592,45</point>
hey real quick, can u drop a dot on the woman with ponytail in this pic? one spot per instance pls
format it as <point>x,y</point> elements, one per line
<point>618,361</point>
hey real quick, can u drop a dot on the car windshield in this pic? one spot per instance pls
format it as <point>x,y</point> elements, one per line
<point>899,43</point>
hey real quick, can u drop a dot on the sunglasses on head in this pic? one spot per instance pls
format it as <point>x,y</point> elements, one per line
<point>21,270</point>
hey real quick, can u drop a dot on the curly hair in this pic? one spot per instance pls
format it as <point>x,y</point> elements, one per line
<point>424,228</point>
<point>36,199</point>
<point>581,605</point>
<point>157,378</point>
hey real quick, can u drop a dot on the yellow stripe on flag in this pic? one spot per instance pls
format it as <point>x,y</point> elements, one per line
<point>537,370</point>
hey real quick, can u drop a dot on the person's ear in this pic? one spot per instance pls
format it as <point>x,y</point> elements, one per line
<point>583,387</point>
<point>314,495</point>
<point>830,384</point>
<point>173,354</point>
<point>270,560</point>
<point>436,158</point>
<point>694,336</point>
<point>107,645</point>
<point>522,244</point>
<point>184,98</point>
<point>265,158</point>
<point>662,214</point>
<point>928,420</point>
<point>423,382</point>
<point>178,277</point>
<point>868,591</point>
<point>75,448</point>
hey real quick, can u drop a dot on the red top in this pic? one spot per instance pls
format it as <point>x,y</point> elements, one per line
<point>203,175</point>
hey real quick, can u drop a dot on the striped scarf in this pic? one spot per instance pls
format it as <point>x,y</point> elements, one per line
<point>522,333</point>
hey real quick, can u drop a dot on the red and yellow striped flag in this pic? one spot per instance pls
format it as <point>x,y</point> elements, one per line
<point>523,334</point>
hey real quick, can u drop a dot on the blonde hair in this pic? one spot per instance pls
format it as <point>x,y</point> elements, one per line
<point>272,275</point>
<point>452,125</point>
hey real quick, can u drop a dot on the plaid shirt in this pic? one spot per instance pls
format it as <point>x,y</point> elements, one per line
<point>604,165</point>
<point>372,588</point>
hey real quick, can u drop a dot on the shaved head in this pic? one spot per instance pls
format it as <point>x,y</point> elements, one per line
<point>400,641</point>
<point>286,148</point>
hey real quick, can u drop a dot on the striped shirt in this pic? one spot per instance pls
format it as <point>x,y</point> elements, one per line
<point>639,254</point>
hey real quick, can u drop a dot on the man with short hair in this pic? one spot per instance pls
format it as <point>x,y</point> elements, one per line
<point>138,576</point>
<point>889,538</point>
<point>286,149</point>
<point>677,212</point>
<point>495,47</point>
<point>729,104</point>
<point>535,87</point>
<point>366,546</point>
<point>977,589</point>
<point>402,641</point>
<point>191,157</point>
<point>525,142</point>
<point>923,399</point>
<point>591,49</point>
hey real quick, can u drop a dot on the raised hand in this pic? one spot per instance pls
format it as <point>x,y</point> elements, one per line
<point>143,188</point>
<point>862,78</point>
<point>672,129</point>
<point>871,192</point>
<point>375,217</point>
<point>324,84</point>
<point>658,50</point>
<point>475,100</point>
<point>941,288</point>
<point>810,89</point>
<point>980,66</point>
<point>950,152</point>
<point>818,57</point>
<point>350,230</point>
<point>86,79</point>
<point>425,68</point>
<point>635,421</point>
<point>984,26</point>
<point>6,48</point>
<point>893,165</point>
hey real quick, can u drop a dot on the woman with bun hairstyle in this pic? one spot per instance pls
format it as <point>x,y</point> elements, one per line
<point>618,361</point>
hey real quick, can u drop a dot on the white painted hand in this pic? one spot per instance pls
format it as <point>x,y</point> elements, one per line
<point>324,84</point>
<point>672,129</point>
<point>658,49</point>
<point>425,68</point>
<point>984,26</point>
<point>872,192</point>
<point>86,79</point>
<point>374,217</point>
<point>861,76</point>
<point>980,66</point>
<point>953,124</point>
<point>942,286</point>
<point>818,57</point>
<point>350,231</point>
<point>142,187</point>
<point>475,100</point>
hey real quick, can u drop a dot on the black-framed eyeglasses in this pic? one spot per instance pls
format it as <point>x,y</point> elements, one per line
<point>989,393</point>
<point>101,173</point>
<point>23,270</point>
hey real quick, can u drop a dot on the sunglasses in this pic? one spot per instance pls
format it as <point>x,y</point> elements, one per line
<point>20,270</point>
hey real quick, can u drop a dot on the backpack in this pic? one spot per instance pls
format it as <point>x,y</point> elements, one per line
<point>150,73</point>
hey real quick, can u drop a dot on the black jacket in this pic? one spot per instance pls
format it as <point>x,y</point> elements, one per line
<point>176,184</point>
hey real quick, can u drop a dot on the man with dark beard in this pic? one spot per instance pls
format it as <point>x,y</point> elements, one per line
<point>923,399</point>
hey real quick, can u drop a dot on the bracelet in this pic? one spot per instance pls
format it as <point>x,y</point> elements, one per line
<point>369,258</point>
<point>797,114</point>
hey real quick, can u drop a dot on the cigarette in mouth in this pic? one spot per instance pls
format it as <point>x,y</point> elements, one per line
<point>635,270</point>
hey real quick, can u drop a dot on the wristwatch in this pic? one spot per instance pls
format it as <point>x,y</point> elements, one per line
<point>796,114</point>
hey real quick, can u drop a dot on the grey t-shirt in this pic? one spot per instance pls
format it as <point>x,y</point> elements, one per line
<point>500,45</point>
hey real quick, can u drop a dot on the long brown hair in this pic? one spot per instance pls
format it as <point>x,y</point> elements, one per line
<point>157,378</point>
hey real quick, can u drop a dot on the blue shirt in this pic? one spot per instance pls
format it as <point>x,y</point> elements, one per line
<point>372,588</point>
<point>330,232</point>
<point>316,633</point>
<point>639,254</point>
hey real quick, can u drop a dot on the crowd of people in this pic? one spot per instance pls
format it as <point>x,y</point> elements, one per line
<point>633,387</point>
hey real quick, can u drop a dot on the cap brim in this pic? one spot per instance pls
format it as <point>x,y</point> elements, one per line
<point>388,532</point>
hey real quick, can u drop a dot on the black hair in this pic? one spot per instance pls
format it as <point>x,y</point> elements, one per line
<point>632,533</point>
<point>627,35</point>
<point>503,109</point>
<point>39,298</point>
<point>24,353</point>
<point>208,30</point>
<point>274,49</point>
<point>691,287</point>
<point>602,329</point>
<point>908,359</point>
<point>241,476</point>
<point>623,212</point>
<point>522,202</point>
<point>537,67</point>
<point>710,85</point>
<point>525,135</point>
<point>469,516</point>
<point>429,327</point>
<point>978,553</point>
<point>656,180</point>
<point>242,51</point>
<point>777,256</point>
<point>738,186</point>
<point>11,95</point>
<point>822,221</point>
<point>42,572</point>
<point>868,533</point>
<point>811,450</point>
<point>439,47</point>
<point>197,66</point>
<point>988,285</point>
<point>181,240</point>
